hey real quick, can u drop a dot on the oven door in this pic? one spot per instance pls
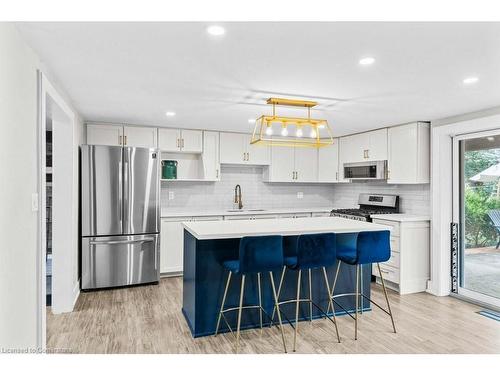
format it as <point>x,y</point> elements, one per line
<point>365,171</point>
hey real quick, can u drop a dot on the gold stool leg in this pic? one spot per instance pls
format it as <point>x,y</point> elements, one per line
<point>242,291</point>
<point>330,294</point>
<point>357,302</point>
<point>386,297</point>
<point>310,297</point>
<point>278,310</point>
<point>260,301</point>
<point>297,304</point>
<point>223,302</point>
<point>361,288</point>
<point>279,293</point>
<point>330,302</point>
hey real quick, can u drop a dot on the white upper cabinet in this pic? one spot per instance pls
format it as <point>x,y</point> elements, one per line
<point>328,162</point>
<point>369,146</point>
<point>282,168</point>
<point>137,136</point>
<point>210,156</point>
<point>177,140</point>
<point>306,164</point>
<point>169,139</point>
<point>235,148</point>
<point>105,134</point>
<point>292,164</point>
<point>231,148</point>
<point>409,154</point>
<point>377,145</point>
<point>256,154</point>
<point>192,141</point>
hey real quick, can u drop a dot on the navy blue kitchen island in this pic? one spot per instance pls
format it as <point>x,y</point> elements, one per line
<point>208,244</point>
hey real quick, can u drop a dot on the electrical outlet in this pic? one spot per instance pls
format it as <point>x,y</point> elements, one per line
<point>300,195</point>
<point>171,195</point>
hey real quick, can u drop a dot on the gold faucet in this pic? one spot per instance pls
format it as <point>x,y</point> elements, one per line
<point>237,196</point>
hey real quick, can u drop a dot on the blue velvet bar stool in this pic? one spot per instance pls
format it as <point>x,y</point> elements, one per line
<point>256,255</point>
<point>306,253</point>
<point>357,249</point>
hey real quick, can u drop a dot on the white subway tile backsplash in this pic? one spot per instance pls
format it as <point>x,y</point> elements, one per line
<point>258,194</point>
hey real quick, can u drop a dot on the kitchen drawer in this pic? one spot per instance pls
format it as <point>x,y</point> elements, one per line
<point>389,273</point>
<point>393,261</point>
<point>395,244</point>
<point>393,224</point>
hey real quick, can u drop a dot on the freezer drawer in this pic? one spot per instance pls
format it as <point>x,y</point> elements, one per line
<point>119,260</point>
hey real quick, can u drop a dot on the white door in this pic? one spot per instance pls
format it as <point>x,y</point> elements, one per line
<point>377,148</point>
<point>104,134</point>
<point>169,140</point>
<point>282,164</point>
<point>210,156</point>
<point>231,148</point>
<point>191,141</point>
<point>256,154</point>
<point>306,164</point>
<point>172,245</point>
<point>328,162</point>
<point>135,136</point>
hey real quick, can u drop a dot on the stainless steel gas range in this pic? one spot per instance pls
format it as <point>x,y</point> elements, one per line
<point>369,204</point>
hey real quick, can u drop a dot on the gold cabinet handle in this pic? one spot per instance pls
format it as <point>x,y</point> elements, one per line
<point>182,140</point>
<point>120,140</point>
<point>216,173</point>
<point>177,143</point>
<point>337,176</point>
<point>125,140</point>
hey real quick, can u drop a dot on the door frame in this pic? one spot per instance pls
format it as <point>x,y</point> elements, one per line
<point>457,214</point>
<point>46,92</point>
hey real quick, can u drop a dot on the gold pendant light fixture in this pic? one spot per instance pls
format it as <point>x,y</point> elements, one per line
<point>294,131</point>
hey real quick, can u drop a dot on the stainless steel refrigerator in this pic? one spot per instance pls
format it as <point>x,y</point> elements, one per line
<point>120,216</point>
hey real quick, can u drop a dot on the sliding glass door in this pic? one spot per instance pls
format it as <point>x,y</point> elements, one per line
<point>476,212</point>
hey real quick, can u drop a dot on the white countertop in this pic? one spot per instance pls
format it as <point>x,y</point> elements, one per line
<point>222,212</point>
<point>207,230</point>
<point>401,217</point>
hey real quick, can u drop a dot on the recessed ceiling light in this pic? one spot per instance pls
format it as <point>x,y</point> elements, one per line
<point>470,80</point>
<point>170,114</point>
<point>367,61</point>
<point>491,139</point>
<point>251,121</point>
<point>216,30</point>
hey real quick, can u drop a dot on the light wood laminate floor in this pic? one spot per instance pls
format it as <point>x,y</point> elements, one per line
<point>148,319</point>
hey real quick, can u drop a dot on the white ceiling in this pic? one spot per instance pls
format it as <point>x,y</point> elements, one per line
<point>135,72</point>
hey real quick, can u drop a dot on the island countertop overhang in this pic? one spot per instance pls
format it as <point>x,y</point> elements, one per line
<point>207,230</point>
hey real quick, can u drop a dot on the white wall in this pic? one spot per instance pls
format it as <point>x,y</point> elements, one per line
<point>19,179</point>
<point>18,170</point>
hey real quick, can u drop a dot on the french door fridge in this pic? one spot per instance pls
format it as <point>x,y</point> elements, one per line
<point>120,216</point>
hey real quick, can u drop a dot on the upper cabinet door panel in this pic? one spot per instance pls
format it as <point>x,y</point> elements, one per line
<point>104,134</point>
<point>377,145</point>
<point>191,141</point>
<point>169,140</point>
<point>282,164</point>
<point>136,136</point>
<point>210,156</point>
<point>256,154</point>
<point>231,148</point>
<point>306,164</point>
<point>328,162</point>
<point>353,148</point>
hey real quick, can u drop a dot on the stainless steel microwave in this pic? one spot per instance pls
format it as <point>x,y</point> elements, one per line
<point>369,170</point>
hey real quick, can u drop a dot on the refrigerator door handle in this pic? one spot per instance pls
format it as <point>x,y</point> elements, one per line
<point>120,194</point>
<point>120,242</point>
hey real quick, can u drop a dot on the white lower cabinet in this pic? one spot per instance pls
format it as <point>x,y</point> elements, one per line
<point>407,270</point>
<point>172,243</point>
